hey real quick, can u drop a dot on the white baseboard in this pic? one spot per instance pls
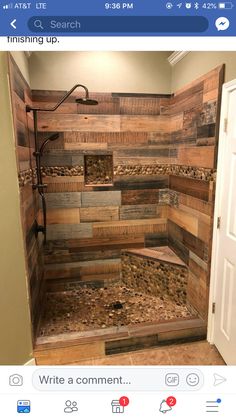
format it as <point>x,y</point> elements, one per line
<point>30,362</point>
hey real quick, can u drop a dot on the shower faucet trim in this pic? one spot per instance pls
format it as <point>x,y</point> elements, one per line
<point>39,151</point>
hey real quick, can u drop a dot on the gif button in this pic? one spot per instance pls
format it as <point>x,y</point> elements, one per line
<point>172,379</point>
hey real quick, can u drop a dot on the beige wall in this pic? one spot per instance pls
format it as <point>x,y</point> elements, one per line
<point>23,64</point>
<point>15,325</point>
<point>197,63</point>
<point>143,72</point>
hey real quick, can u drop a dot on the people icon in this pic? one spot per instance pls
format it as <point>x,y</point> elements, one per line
<point>70,407</point>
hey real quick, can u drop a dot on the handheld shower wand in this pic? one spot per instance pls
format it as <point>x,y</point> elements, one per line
<point>39,151</point>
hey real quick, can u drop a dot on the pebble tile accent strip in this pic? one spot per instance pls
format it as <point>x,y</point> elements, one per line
<point>123,170</point>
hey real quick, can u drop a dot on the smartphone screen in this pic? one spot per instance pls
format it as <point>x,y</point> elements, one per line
<point>118,206</point>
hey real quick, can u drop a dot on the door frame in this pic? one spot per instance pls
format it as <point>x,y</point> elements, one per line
<point>227,89</point>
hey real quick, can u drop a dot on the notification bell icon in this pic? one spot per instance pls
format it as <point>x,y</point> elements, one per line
<point>164,407</point>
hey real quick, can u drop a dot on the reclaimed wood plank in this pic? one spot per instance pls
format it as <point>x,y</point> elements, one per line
<point>193,187</point>
<point>184,220</point>
<point>101,199</point>
<point>61,216</point>
<point>70,122</point>
<point>104,243</point>
<point>142,161</point>
<point>195,203</point>
<point>70,354</point>
<point>69,231</point>
<point>106,103</point>
<point>94,214</point>
<point>106,137</point>
<point>74,269</point>
<point>63,200</point>
<point>201,79</point>
<point>63,256</point>
<point>73,186</point>
<point>144,123</point>
<point>143,196</point>
<point>176,122</point>
<point>196,156</point>
<point>123,228</point>
<point>156,239</point>
<point>132,212</point>
<point>63,157</point>
<point>141,182</point>
<point>145,151</point>
<point>85,146</point>
<point>207,219</point>
<point>139,106</point>
<point>189,99</point>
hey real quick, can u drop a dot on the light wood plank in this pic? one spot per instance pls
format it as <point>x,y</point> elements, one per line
<point>96,123</point>
<point>61,216</point>
<point>184,220</point>
<point>145,123</point>
<point>196,156</point>
<point>122,228</point>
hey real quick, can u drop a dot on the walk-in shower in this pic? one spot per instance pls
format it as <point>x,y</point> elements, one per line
<point>39,151</point>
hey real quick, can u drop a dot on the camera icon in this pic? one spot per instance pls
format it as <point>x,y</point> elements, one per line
<point>16,380</point>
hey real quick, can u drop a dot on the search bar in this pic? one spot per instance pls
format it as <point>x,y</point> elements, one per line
<point>118,24</point>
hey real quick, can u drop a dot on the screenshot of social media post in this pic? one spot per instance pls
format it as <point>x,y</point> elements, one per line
<point>119,257</point>
<point>118,209</point>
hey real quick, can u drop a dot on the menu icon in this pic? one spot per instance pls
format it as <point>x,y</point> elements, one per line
<point>212,406</point>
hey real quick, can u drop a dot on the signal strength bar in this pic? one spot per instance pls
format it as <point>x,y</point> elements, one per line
<point>7,6</point>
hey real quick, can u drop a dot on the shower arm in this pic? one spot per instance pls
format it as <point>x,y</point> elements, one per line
<point>54,108</point>
<point>40,186</point>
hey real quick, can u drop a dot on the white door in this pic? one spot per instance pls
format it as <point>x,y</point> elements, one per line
<point>224,242</point>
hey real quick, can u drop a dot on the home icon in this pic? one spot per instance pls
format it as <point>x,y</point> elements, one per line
<point>116,407</point>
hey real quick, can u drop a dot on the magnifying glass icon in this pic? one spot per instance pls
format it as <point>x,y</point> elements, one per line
<point>38,24</point>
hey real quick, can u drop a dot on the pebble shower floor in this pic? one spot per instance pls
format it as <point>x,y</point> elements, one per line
<point>86,308</point>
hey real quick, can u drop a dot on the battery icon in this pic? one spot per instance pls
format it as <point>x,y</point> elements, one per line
<point>227,5</point>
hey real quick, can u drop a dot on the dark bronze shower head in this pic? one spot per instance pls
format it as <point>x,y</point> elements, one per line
<point>86,101</point>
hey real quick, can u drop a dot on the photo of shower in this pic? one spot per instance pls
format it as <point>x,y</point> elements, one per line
<point>118,208</point>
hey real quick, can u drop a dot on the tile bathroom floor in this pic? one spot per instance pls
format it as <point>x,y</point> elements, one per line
<point>194,353</point>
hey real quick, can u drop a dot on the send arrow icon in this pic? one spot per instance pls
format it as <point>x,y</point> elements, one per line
<point>218,379</point>
<point>13,24</point>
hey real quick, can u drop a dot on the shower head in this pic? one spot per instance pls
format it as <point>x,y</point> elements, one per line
<point>86,101</point>
<point>52,137</point>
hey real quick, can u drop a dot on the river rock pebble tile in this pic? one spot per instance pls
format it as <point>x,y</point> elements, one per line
<point>87,308</point>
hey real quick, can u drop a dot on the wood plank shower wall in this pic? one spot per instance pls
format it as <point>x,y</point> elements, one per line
<point>190,216</point>
<point>24,145</point>
<point>164,156</point>
<point>164,152</point>
<point>90,225</point>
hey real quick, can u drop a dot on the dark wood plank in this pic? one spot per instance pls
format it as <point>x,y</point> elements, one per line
<point>188,186</point>
<point>136,197</point>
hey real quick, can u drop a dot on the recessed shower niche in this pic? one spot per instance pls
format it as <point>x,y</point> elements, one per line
<point>129,217</point>
<point>98,169</point>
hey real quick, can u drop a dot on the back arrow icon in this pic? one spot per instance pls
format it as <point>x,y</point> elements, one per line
<point>13,23</point>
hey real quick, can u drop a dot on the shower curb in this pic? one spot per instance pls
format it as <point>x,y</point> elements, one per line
<point>70,348</point>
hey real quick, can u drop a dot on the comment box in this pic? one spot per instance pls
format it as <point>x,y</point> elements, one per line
<point>111,378</point>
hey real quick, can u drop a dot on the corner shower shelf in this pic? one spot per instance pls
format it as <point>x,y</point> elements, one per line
<point>164,254</point>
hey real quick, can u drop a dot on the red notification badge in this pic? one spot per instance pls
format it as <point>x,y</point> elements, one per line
<point>171,401</point>
<point>124,401</point>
